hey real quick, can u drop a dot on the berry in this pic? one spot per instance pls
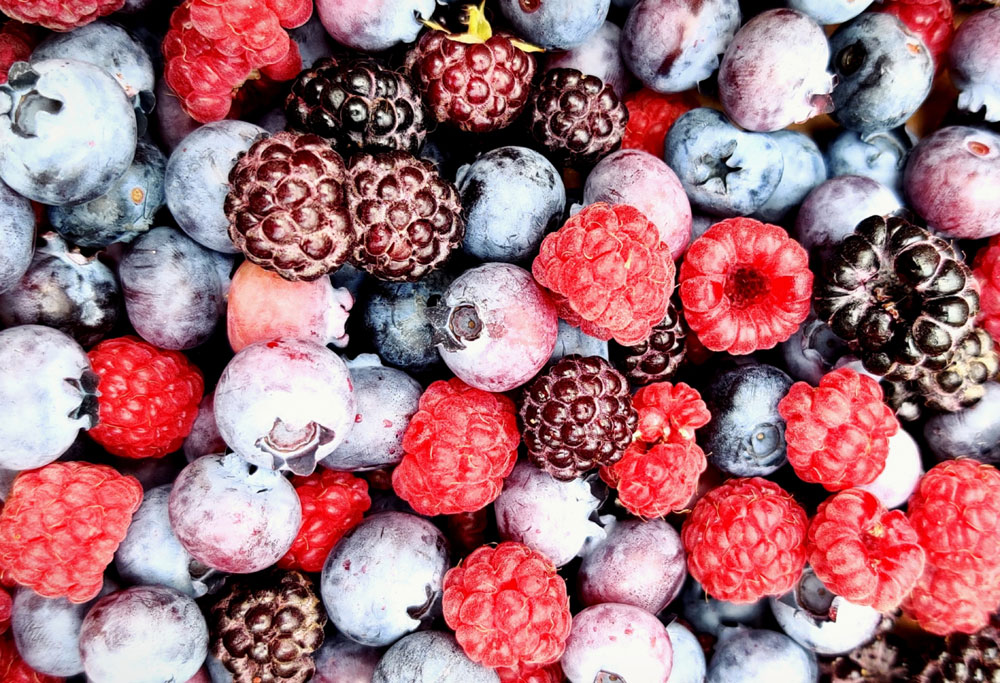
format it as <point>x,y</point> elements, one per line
<point>576,416</point>
<point>556,24</point>
<point>550,673</point>
<point>932,20</point>
<point>657,358</point>
<point>986,269</point>
<point>945,602</point>
<point>973,64</point>
<point>610,274</point>
<point>863,552</point>
<point>655,480</point>
<point>458,448</point>
<point>669,413</point>
<point>16,43</point>
<point>507,606</point>
<point>148,398</point>
<point>13,669</point>
<point>288,206</point>
<point>61,525</point>
<point>745,286</point>
<point>837,433</point>
<point>6,605</point>
<point>59,15</point>
<point>746,540</point>
<point>650,115</point>
<point>332,504</point>
<point>475,81</point>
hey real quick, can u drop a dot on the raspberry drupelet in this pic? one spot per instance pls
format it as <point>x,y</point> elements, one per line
<point>650,115</point>
<point>59,15</point>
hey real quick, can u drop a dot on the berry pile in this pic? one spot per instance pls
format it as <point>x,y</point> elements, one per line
<point>523,341</point>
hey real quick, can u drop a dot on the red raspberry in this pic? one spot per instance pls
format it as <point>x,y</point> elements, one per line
<point>59,15</point>
<point>6,606</point>
<point>745,540</point>
<point>458,448</point>
<point>650,115</point>
<point>745,286</point>
<point>987,272</point>
<point>946,602</point>
<point>932,20</point>
<point>610,274</point>
<point>507,606</point>
<point>956,513</point>
<point>837,433</point>
<point>551,673</point>
<point>13,669</point>
<point>62,524</point>
<point>332,504</point>
<point>863,552</point>
<point>653,481</point>
<point>476,81</point>
<point>17,40</point>
<point>669,412</point>
<point>148,398</point>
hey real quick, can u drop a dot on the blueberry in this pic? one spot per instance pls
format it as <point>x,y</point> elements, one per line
<point>17,236</point>
<point>126,211</point>
<point>571,340</point>
<point>511,196</point>
<point>830,11</point>
<point>672,45</point>
<point>884,73</point>
<point>709,615</point>
<point>879,156</point>
<point>341,660</point>
<point>974,63</point>
<point>430,657</point>
<point>903,470</point>
<point>47,630</point>
<point>724,170</point>
<point>757,656</point>
<point>803,169</point>
<point>67,131</point>
<point>600,55</point>
<point>64,289</point>
<point>812,351</point>
<point>313,41</point>
<point>374,25</point>
<point>971,433</point>
<point>689,659</point>
<point>746,436</point>
<point>555,24</point>
<point>614,642</point>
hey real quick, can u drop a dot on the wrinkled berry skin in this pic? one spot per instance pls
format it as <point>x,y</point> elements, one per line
<point>724,170</point>
<point>974,63</point>
<point>710,615</point>
<point>511,196</point>
<point>373,25</point>
<point>951,179</point>
<point>884,73</point>
<point>971,433</point>
<point>430,657</point>
<point>758,656</point>
<point>17,236</point>
<point>746,436</point>
<point>879,156</point>
<point>672,45</point>
<point>803,168</point>
<point>774,72</point>
<point>620,639</point>
<point>555,24</point>
<point>47,632</point>
<point>384,578</point>
<point>600,55</point>
<point>174,288</point>
<point>828,12</point>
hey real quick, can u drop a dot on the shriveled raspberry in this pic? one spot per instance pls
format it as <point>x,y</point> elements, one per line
<point>946,602</point>
<point>610,274</point>
<point>59,15</point>
<point>956,513</point>
<point>650,115</point>
<point>148,397</point>
<point>550,673</point>
<point>62,524</point>
<point>458,448</point>
<point>863,552</point>
<point>986,269</point>
<point>669,412</point>
<point>507,606</point>
<point>13,669</point>
<point>332,504</point>
<point>837,433</point>
<point>745,286</point>
<point>653,481</point>
<point>16,43</point>
<point>6,606</point>
<point>932,20</point>
<point>745,540</point>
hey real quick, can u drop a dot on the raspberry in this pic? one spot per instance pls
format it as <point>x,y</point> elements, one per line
<point>62,524</point>
<point>650,115</point>
<point>13,669</point>
<point>837,433</point>
<point>745,286</point>
<point>16,43</point>
<point>956,513</point>
<point>59,15</point>
<point>610,274</point>
<point>148,398</point>
<point>932,20</point>
<point>745,540</point>
<point>946,602</point>
<point>987,273</point>
<point>669,412</point>
<point>653,481</point>
<point>507,606</point>
<point>332,504</point>
<point>551,673</point>
<point>863,552</point>
<point>458,448</point>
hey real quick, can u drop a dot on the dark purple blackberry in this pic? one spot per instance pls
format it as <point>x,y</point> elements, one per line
<point>903,299</point>
<point>576,416</point>
<point>657,358</point>
<point>965,659</point>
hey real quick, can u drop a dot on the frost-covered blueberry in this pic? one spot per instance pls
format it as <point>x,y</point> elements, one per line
<point>125,211</point>
<point>758,656</point>
<point>67,131</point>
<point>689,659</point>
<point>66,290</point>
<point>204,438</point>
<point>903,469</point>
<point>812,351</point>
<point>972,432</point>
<point>556,24</point>
<point>47,395</point>
<point>341,660</point>
<point>197,180</point>
<point>884,73</point>
<point>172,122</point>
<point>724,170</point>
<point>672,45</point>
<point>313,41</point>
<point>746,435</point>
<point>574,340</point>
<point>374,25</point>
<point>709,615</point>
<point>617,640</point>
<point>638,563</point>
<point>803,169</point>
<point>830,11</point>
<point>879,156</point>
<point>233,516</point>
<point>430,657</point>
<point>17,236</point>
<point>974,63</point>
<point>511,196</point>
<point>145,634</point>
<point>551,516</point>
<point>285,404</point>
<point>600,55</point>
<point>174,288</point>
<point>47,632</point>
<point>384,578</point>
<point>385,399</point>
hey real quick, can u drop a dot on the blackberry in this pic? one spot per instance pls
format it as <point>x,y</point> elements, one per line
<point>576,416</point>
<point>903,299</point>
<point>577,117</point>
<point>657,358</point>
<point>358,104</point>
<point>966,659</point>
<point>882,660</point>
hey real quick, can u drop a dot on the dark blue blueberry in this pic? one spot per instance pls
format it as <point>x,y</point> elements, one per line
<point>970,433</point>
<point>758,656</point>
<point>880,156</point>
<point>709,615</point>
<point>17,236</point>
<point>803,169</point>
<point>555,24</point>
<point>830,11</point>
